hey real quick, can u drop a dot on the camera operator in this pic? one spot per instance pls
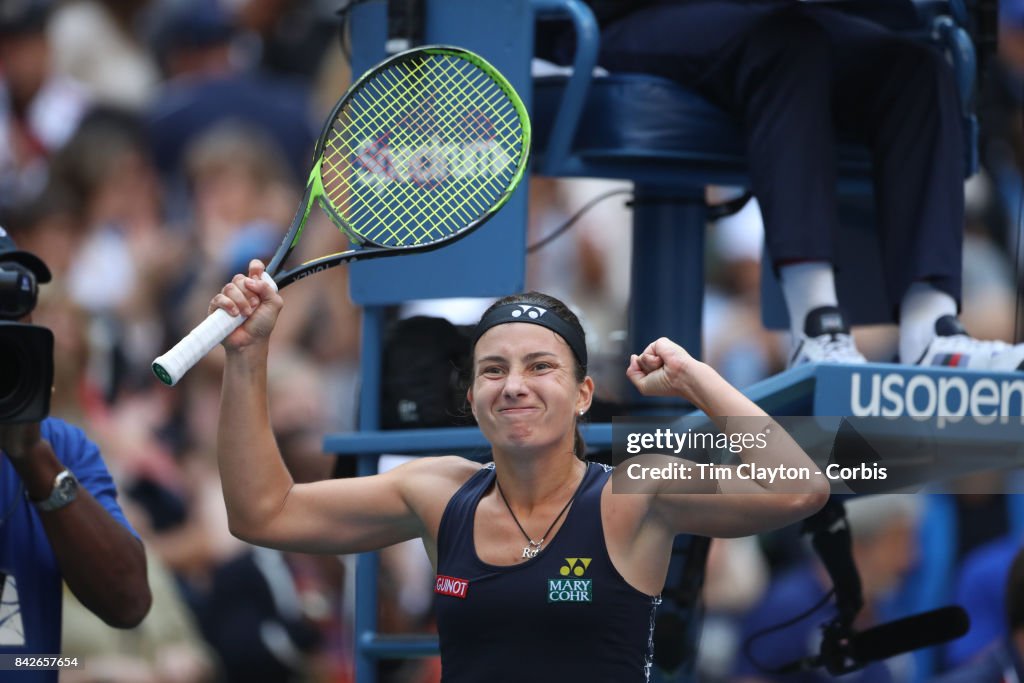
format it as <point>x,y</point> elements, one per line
<point>59,516</point>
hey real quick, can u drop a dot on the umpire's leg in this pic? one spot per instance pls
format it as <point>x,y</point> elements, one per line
<point>769,65</point>
<point>899,95</point>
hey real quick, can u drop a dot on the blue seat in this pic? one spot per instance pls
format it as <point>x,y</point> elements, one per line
<point>646,129</point>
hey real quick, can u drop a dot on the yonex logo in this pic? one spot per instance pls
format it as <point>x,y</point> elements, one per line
<point>531,312</point>
<point>575,566</point>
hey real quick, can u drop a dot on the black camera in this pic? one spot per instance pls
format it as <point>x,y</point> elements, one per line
<point>26,351</point>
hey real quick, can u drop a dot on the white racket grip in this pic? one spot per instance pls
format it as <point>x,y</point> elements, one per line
<point>173,365</point>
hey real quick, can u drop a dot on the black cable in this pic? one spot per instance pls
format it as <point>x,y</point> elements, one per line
<point>1018,230</point>
<point>715,212</point>
<point>342,21</point>
<point>557,232</point>
<point>728,208</point>
<point>1018,281</point>
<point>749,642</point>
<point>343,11</point>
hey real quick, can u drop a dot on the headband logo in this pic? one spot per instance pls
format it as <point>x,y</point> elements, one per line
<point>532,312</point>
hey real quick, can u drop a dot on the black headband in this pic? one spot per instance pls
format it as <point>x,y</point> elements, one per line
<point>538,315</point>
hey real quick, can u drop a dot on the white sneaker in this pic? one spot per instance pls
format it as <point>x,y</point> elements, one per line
<point>826,339</point>
<point>952,347</point>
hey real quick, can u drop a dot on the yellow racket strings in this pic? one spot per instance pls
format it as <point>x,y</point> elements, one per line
<point>424,149</point>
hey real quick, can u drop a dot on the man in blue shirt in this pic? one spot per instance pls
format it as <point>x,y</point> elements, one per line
<point>1001,661</point>
<point>59,520</point>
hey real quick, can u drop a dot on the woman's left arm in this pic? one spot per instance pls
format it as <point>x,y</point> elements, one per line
<point>742,505</point>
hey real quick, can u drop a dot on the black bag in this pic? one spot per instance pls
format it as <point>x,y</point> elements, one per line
<point>421,383</point>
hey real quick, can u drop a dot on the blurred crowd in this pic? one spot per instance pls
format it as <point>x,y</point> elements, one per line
<point>150,148</point>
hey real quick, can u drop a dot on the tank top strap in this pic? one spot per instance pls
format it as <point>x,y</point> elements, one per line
<point>455,534</point>
<point>579,523</point>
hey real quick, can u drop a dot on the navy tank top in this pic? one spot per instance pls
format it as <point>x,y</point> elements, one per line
<point>564,615</point>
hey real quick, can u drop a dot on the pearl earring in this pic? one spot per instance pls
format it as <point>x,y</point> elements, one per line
<point>581,413</point>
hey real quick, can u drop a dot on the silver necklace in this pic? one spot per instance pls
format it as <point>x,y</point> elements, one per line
<point>532,547</point>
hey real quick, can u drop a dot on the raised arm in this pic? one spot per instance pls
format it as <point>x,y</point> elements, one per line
<point>264,505</point>
<point>729,505</point>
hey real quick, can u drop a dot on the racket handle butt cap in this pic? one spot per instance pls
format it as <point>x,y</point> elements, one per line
<point>172,366</point>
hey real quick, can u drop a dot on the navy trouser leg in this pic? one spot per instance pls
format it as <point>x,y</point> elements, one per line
<point>777,81</point>
<point>899,96</point>
<point>768,65</point>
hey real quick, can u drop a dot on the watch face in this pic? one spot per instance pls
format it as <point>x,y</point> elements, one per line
<point>67,488</point>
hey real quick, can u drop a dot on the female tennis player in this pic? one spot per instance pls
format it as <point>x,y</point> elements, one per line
<point>544,574</point>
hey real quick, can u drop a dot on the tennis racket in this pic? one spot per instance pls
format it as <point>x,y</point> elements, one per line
<point>421,151</point>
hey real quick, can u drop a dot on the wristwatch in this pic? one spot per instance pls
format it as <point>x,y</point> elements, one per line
<point>65,490</point>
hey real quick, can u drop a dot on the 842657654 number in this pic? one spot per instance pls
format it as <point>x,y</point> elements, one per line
<point>37,662</point>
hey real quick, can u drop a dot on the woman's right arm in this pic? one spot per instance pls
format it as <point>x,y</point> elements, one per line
<point>265,506</point>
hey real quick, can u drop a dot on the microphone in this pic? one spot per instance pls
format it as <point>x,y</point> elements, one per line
<point>842,654</point>
<point>910,633</point>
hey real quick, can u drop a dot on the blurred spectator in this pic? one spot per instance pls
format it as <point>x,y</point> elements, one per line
<point>96,42</point>
<point>241,195</point>
<point>254,618</point>
<point>736,576</point>
<point>300,412</point>
<point>1001,139</point>
<point>981,586</point>
<point>50,226</point>
<point>165,648</point>
<point>287,37</point>
<point>883,530</point>
<point>735,341</point>
<point>1003,661</point>
<point>70,399</point>
<point>587,267</point>
<point>125,260</point>
<point>39,109</point>
<point>989,292</point>
<point>205,85</point>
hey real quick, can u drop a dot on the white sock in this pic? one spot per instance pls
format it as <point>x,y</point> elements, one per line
<point>805,287</point>
<point>922,305</point>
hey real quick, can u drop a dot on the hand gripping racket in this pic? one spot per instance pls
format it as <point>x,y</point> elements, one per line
<point>420,151</point>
